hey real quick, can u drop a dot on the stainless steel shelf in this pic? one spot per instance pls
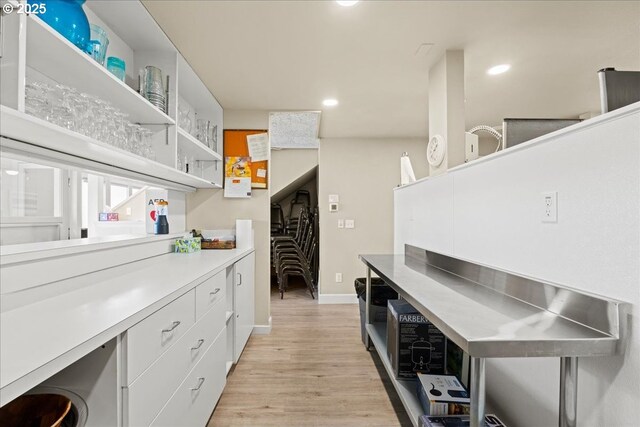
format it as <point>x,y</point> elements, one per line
<point>406,389</point>
<point>494,313</point>
<point>487,322</point>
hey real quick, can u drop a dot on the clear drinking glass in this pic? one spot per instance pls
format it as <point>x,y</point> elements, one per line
<point>36,100</point>
<point>98,44</point>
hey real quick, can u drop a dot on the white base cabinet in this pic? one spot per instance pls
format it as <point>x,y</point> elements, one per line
<point>175,361</point>
<point>195,398</point>
<point>244,303</point>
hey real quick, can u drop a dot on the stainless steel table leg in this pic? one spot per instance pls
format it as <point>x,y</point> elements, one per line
<point>367,307</point>
<point>477,392</point>
<point>568,391</point>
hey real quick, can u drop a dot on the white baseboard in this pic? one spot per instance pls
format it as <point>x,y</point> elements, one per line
<point>337,299</point>
<point>262,329</point>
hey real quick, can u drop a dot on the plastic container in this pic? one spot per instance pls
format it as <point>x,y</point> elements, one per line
<point>187,245</point>
<point>68,18</point>
<point>99,44</point>
<point>117,67</point>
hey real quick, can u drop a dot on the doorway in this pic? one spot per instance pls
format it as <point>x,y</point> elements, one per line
<point>295,238</point>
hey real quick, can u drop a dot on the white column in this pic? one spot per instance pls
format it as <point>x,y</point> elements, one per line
<point>446,107</point>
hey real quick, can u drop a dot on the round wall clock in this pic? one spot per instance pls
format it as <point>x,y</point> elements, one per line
<point>436,148</point>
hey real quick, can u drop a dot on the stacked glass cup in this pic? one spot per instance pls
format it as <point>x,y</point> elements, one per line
<point>89,115</point>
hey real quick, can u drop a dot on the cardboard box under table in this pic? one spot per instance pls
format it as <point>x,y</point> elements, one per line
<point>442,395</point>
<point>457,421</point>
<point>413,343</point>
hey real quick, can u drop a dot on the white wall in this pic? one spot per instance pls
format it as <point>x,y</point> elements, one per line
<point>490,212</point>
<point>363,173</point>
<point>288,165</point>
<point>209,209</point>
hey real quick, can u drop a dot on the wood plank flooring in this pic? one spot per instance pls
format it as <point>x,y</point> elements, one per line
<point>312,370</point>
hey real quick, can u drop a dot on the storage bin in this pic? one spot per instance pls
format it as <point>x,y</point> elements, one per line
<point>42,410</point>
<point>381,293</point>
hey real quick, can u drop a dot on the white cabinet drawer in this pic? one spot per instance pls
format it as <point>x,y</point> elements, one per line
<point>209,292</point>
<point>147,340</point>
<point>195,399</point>
<point>148,393</point>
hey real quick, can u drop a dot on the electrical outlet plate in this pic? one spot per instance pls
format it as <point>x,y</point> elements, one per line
<point>550,206</point>
<point>338,277</point>
<point>334,198</point>
<point>471,147</point>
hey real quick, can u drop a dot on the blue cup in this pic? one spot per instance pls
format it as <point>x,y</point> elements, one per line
<point>117,67</point>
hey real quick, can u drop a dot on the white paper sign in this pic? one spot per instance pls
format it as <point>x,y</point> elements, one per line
<point>258,146</point>
<point>237,187</point>
<point>262,173</point>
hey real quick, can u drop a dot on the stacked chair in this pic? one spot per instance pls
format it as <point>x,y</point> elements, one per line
<point>301,200</point>
<point>277,219</point>
<point>296,254</point>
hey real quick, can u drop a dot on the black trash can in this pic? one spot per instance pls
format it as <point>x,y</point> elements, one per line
<point>380,293</point>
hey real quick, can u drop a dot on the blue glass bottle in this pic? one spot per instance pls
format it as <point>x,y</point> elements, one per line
<point>68,18</point>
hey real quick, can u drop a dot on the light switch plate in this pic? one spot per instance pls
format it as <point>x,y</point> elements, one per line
<point>349,223</point>
<point>334,198</point>
<point>341,223</point>
<point>338,277</point>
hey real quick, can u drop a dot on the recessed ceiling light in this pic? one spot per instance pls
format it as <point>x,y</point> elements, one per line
<point>11,172</point>
<point>498,69</point>
<point>330,102</point>
<point>347,3</point>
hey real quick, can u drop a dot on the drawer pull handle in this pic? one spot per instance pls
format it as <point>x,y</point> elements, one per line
<point>239,279</point>
<point>200,382</point>
<point>173,326</point>
<point>200,342</point>
<point>215,291</point>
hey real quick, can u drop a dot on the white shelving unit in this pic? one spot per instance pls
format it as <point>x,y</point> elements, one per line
<point>195,148</point>
<point>57,58</point>
<point>49,140</point>
<point>406,389</point>
<point>35,51</point>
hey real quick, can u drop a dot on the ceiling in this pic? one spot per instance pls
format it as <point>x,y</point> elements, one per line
<point>374,57</point>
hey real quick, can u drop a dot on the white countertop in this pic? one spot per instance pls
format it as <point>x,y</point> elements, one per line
<point>39,339</point>
<point>30,251</point>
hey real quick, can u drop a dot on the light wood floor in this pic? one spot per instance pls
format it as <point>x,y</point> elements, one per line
<point>312,370</point>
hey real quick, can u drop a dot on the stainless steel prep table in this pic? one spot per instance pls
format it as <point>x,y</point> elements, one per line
<point>491,313</point>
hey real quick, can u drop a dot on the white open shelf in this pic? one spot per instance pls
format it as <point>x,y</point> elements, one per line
<point>54,56</point>
<point>406,389</point>
<point>193,147</point>
<point>34,50</point>
<point>89,153</point>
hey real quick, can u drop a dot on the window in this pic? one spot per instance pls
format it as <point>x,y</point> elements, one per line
<point>32,201</point>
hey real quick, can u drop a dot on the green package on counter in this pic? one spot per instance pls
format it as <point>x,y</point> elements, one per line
<point>188,245</point>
